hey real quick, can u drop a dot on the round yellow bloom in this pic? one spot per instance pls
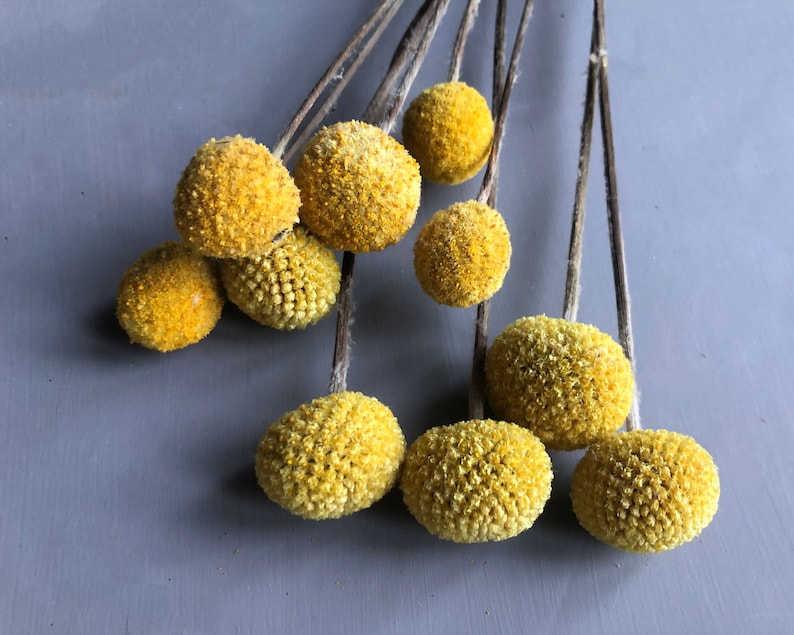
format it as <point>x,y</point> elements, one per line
<point>234,198</point>
<point>476,480</point>
<point>449,129</point>
<point>169,298</point>
<point>462,254</point>
<point>359,187</point>
<point>646,490</point>
<point>568,382</point>
<point>293,286</point>
<point>331,457</point>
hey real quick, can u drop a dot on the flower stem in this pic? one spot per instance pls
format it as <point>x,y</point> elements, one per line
<point>456,61</point>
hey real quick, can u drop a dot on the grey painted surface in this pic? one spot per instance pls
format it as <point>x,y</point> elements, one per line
<point>127,501</point>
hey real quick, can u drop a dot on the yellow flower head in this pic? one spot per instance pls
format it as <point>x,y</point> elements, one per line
<point>169,298</point>
<point>331,457</point>
<point>462,254</point>
<point>292,287</point>
<point>360,189</point>
<point>234,198</point>
<point>477,480</point>
<point>568,382</point>
<point>646,490</point>
<point>449,129</point>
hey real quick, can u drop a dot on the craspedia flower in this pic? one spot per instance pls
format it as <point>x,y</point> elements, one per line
<point>331,457</point>
<point>568,382</point>
<point>359,187</point>
<point>477,480</point>
<point>646,490</point>
<point>234,198</point>
<point>449,129</point>
<point>293,286</point>
<point>169,298</point>
<point>462,254</point>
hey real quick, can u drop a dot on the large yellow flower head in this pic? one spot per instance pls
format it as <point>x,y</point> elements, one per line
<point>568,382</point>
<point>292,287</point>
<point>169,298</point>
<point>646,490</point>
<point>462,254</point>
<point>477,480</point>
<point>234,198</point>
<point>359,187</point>
<point>449,129</point>
<point>331,457</point>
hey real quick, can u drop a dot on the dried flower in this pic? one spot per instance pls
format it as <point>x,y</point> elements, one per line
<point>234,198</point>
<point>169,298</point>
<point>449,129</point>
<point>645,490</point>
<point>568,382</point>
<point>359,187</point>
<point>293,286</point>
<point>462,254</point>
<point>331,457</point>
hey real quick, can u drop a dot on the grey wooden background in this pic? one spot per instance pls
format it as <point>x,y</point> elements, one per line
<point>127,498</point>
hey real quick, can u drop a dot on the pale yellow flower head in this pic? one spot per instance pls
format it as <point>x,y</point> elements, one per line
<point>645,490</point>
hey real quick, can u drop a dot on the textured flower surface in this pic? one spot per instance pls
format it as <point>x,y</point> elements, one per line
<point>477,480</point>
<point>234,198</point>
<point>568,382</point>
<point>360,188</point>
<point>645,490</point>
<point>449,129</point>
<point>169,298</point>
<point>331,457</point>
<point>293,286</point>
<point>462,254</point>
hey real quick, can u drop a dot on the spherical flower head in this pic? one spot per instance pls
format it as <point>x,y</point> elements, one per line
<point>234,198</point>
<point>568,382</point>
<point>646,490</point>
<point>462,254</point>
<point>476,481</point>
<point>449,129</point>
<point>169,298</point>
<point>331,457</point>
<point>360,188</point>
<point>292,287</point>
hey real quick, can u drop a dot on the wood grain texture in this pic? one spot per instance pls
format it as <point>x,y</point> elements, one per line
<point>127,497</point>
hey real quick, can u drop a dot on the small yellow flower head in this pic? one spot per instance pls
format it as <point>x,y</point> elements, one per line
<point>234,198</point>
<point>462,254</point>
<point>292,287</point>
<point>449,129</point>
<point>477,480</point>
<point>568,382</point>
<point>646,490</point>
<point>169,298</point>
<point>359,187</point>
<point>331,457</point>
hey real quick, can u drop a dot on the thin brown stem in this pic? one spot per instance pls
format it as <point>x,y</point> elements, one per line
<point>344,315</point>
<point>456,61</point>
<point>380,18</point>
<point>622,298</point>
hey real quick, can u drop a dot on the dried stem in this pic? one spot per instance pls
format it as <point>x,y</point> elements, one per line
<point>622,297</point>
<point>501,96</point>
<point>456,61</point>
<point>380,18</point>
<point>343,319</point>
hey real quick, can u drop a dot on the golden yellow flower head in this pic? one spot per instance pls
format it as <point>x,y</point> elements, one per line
<point>568,382</point>
<point>331,457</point>
<point>234,198</point>
<point>462,254</point>
<point>169,298</point>
<point>359,187</point>
<point>476,480</point>
<point>292,287</point>
<point>646,490</point>
<point>449,129</point>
